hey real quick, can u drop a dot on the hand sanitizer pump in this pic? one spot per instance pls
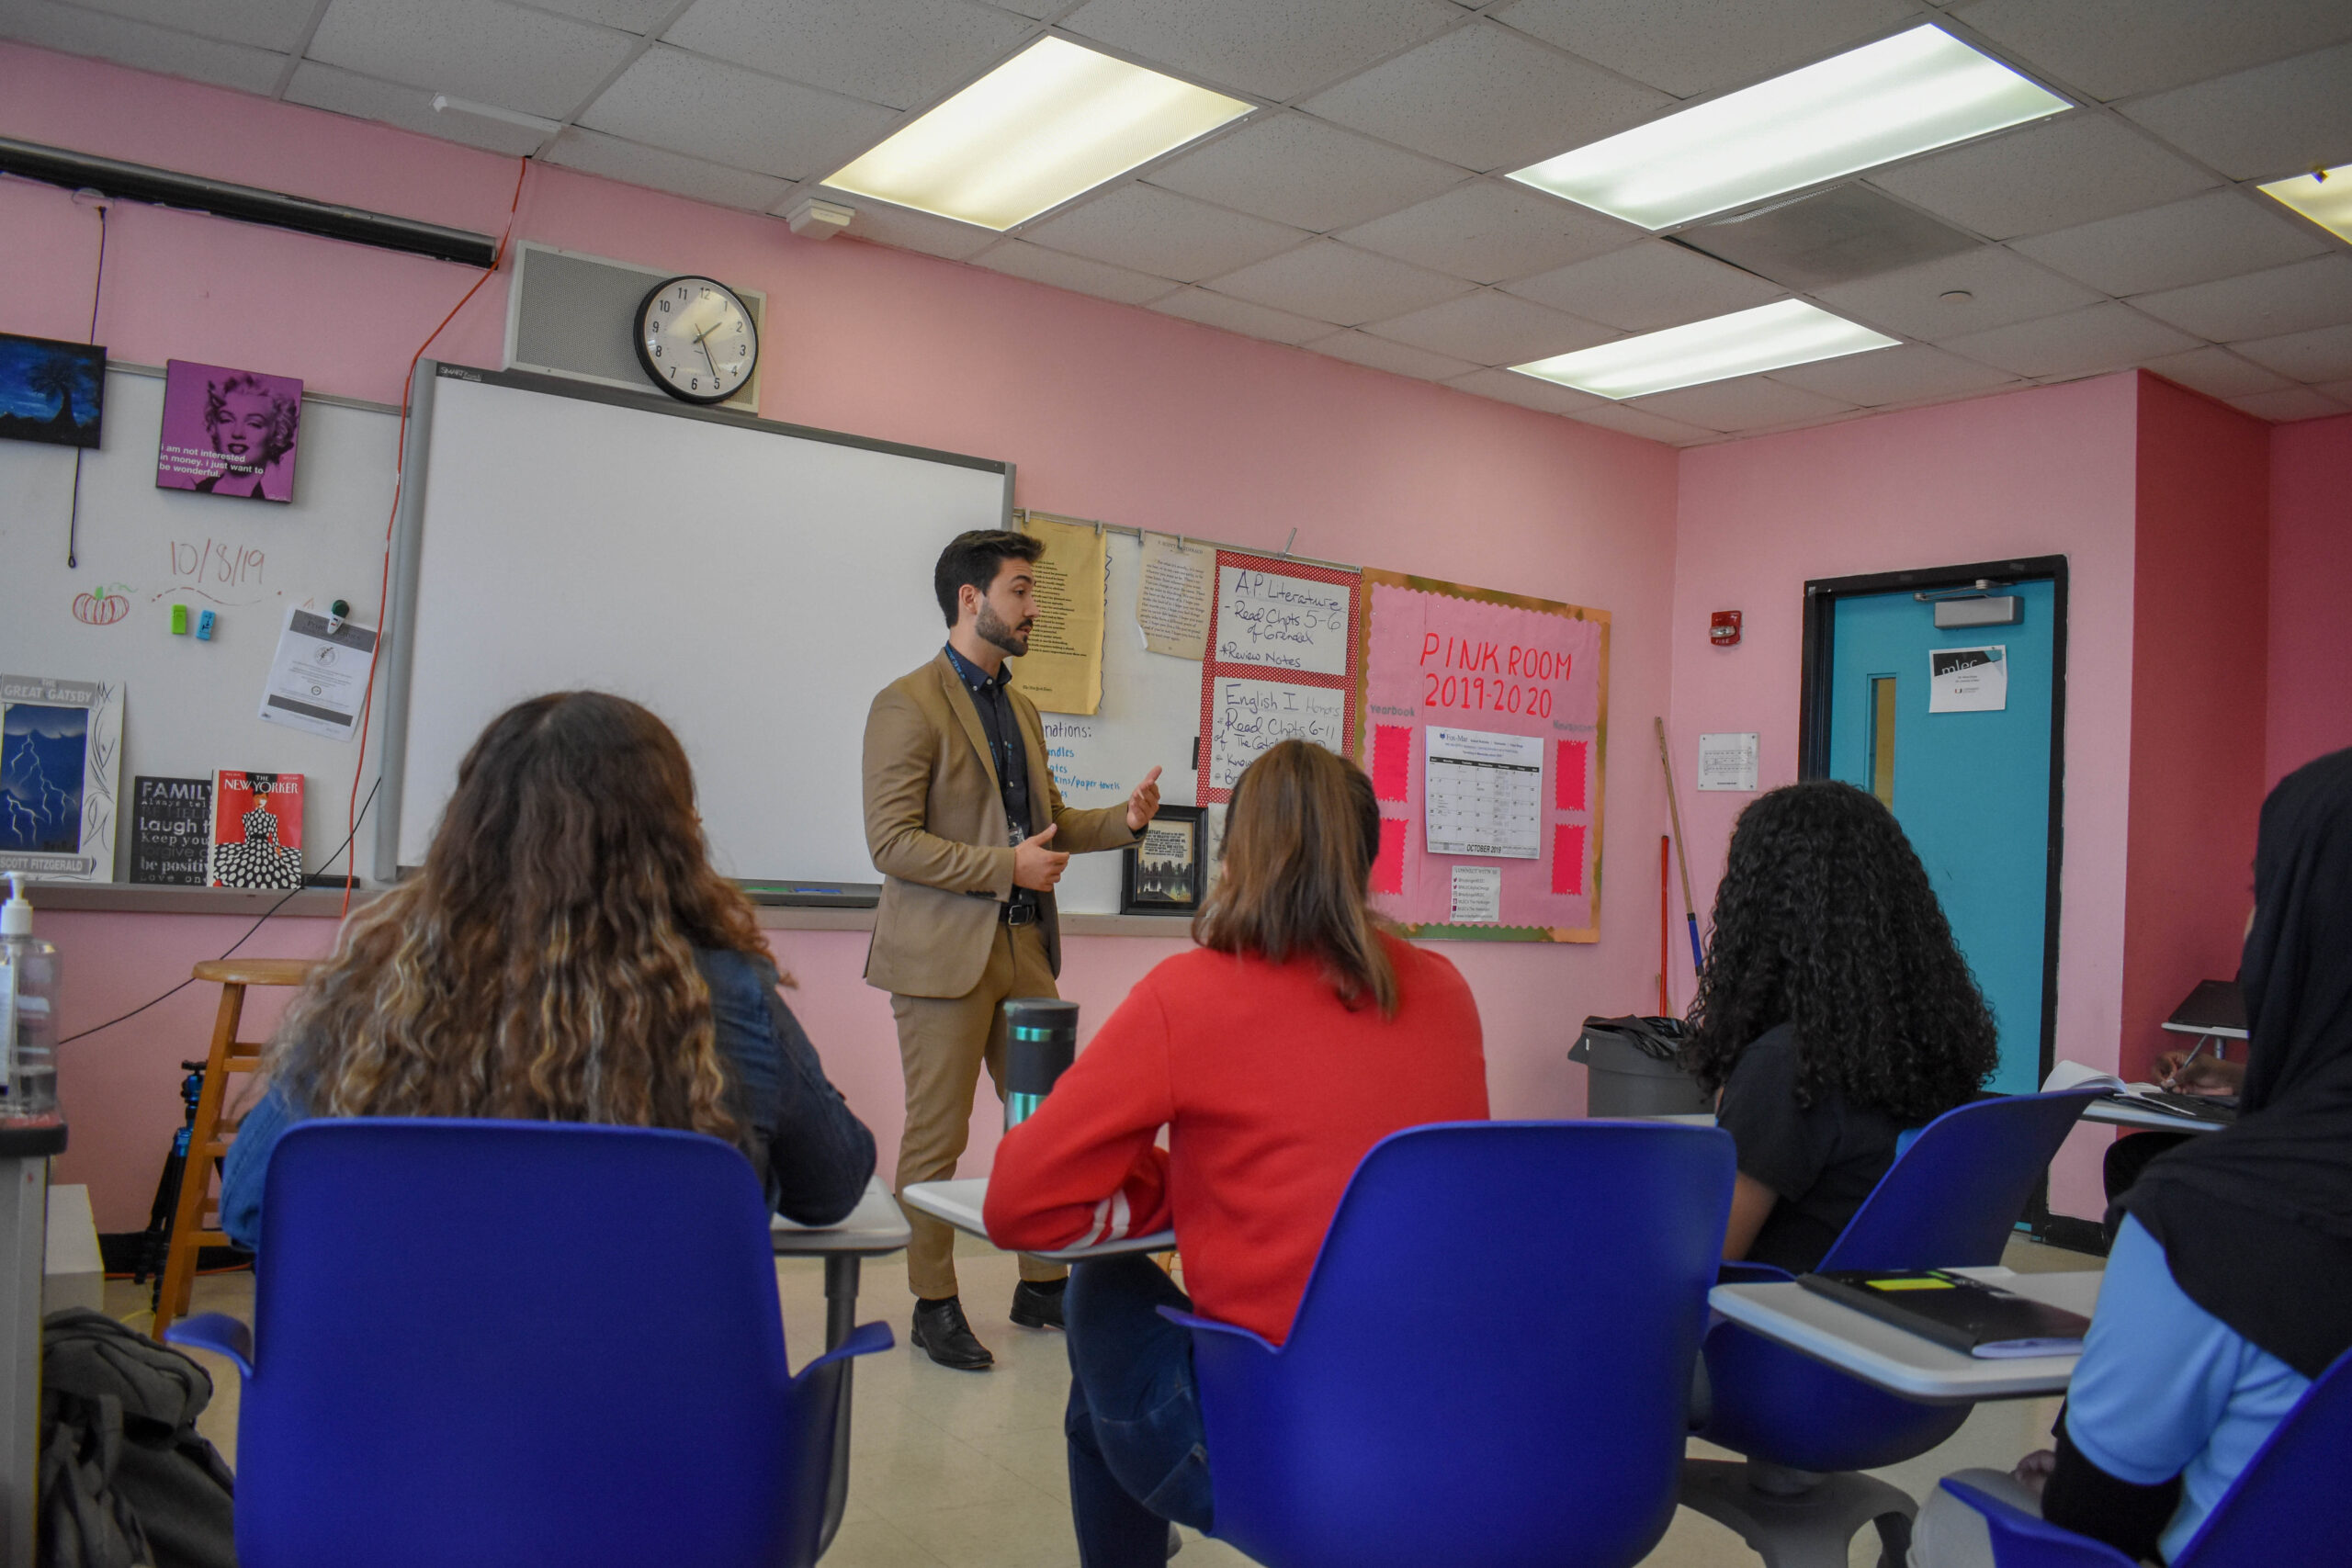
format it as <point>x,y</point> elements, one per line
<point>28,1016</point>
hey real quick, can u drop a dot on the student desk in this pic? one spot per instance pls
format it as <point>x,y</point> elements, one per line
<point>959,1203</point>
<point>2116,1113</point>
<point>1888,1357</point>
<point>876,1226</point>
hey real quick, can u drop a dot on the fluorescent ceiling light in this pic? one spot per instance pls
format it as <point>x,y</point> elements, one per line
<point>1789,332</point>
<point>1907,94</point>
<point>2325,198</point>
<point>1052,121</point>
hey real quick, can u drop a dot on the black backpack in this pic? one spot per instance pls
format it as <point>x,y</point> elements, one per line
<point>125,1481</point>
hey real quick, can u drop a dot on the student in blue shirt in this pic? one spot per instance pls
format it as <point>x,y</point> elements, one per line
<point>566,955</point>
<point>2230,1286</point>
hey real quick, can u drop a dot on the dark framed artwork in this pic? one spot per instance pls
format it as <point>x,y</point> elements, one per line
<point>50,391</point>
<point>1167,871</point>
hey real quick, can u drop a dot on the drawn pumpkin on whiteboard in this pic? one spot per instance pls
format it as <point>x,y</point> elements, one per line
<point>103,608</point>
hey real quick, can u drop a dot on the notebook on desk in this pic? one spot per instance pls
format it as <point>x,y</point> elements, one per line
<point>2218,1108</point>
<point>1967,1315</point>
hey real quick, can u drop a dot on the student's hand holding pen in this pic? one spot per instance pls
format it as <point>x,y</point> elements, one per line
<point>2194,1072</point>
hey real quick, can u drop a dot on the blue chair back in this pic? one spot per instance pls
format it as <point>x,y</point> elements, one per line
<point>503,1342</point>
<point>1490,1363</point>
<point>2276,1514</point>
<point>1950,1201</point>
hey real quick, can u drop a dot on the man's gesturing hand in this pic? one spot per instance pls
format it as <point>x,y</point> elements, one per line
<point>1144,803</point>
<point>1036,866</point>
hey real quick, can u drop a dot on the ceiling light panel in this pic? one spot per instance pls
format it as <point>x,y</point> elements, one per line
<point>1054,120</point>
<point>1787,332</point>
<point>1901,95</point>
<point>2324,197</point>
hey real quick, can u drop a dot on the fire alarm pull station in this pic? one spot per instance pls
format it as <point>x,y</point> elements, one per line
<point>1723,630</point>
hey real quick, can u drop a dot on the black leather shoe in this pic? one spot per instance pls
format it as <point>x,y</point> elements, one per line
<point>1037,1306</point>
<point>946,1338</point>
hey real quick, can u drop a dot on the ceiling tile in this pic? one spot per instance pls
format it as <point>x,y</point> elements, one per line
<point>1487,97</point>
<point>2263,124</point>
<point>136,44</point>
<point>411,108</point>
<point>2292,299</point>
<point>1295,169</point>
<point>591,151</point>
<point>1397,359</point>
<point>1743,402</point>
<point>2081,343</point>
<point>1641,422</point>
<point>263,24</point>
<point>1213,310</point>
<point>1527,391</point>
<point>1488,328</point>
<point>1646,285</point>
<point>2325,354</point>
<point>1022,259</point>
<point>1157,230</point>
<point>1275,48</point>
<point>1333,282</point>
<point>1688,46</point>
<point>2052,175</point>
<point>2112,48</point>
<point>2216,372</point>
<point>2001,288</point>
<point>2340,391</point>
<point>1489,230</point>
<point>2295,402</point>
<point>629,15</point>
<point>899,52</point>
<point>731,116</point>
<point>481,50</point>
<point>1909,372</point>
<point>908,229</point>
<point>2219,234</point>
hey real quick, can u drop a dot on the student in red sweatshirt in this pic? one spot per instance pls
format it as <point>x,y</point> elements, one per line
<point>1293,1039</point>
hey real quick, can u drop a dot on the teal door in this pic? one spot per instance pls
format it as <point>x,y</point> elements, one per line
<point>1971,787</point>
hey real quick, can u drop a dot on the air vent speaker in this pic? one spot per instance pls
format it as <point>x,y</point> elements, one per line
<point>1832,236</point>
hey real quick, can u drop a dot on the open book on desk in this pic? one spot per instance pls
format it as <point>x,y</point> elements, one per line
<point>2147,1096</point>
<point>1967,1315</point>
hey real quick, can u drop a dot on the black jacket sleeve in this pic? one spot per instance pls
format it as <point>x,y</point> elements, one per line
<point>2082,1497</point>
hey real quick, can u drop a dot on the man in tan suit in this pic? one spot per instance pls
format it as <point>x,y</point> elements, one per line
<point>970,833</point>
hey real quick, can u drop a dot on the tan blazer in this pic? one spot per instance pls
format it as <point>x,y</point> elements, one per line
<point>935,824</point>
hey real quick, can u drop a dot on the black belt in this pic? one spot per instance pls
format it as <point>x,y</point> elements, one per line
<point>1019,914</point>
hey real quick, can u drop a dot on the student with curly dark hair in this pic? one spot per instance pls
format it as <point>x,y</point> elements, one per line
<point>1834,1014</point>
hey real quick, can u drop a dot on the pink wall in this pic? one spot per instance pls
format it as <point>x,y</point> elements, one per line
<point>1110,412</point>
<point>2310,584</point>
<point>2200,602</point>
<point>2048,471</point>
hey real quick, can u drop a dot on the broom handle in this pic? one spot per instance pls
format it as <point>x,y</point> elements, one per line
<point>1682,860</point>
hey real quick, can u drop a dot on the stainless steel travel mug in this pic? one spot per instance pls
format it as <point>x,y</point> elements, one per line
<point>1040,1041</point>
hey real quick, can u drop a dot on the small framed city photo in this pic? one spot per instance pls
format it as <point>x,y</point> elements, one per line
<point>1166,873</point>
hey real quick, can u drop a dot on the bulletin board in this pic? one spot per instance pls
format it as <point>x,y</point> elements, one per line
<point>1528,680</point>
<point>1282,663</point>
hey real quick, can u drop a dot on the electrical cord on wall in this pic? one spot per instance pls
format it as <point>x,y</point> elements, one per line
<point>97,291</point>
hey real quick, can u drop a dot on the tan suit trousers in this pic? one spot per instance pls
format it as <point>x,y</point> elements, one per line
<point>943,1044</point>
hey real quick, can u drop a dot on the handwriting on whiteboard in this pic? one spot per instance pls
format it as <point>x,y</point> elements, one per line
<point>1284,622</point>
<point>1247,718</point>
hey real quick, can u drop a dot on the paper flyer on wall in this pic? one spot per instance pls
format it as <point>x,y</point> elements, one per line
<point>1727,761</point>
<point>1477,895</point>
<point>1968,679</point>
<point>1062,672</point>
<point>318,682</point>
<point>1172,599</point>
<point>61,759</point>
<point>1482,792</point>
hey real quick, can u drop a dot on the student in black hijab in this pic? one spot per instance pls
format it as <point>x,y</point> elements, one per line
<point>2230,1286</point>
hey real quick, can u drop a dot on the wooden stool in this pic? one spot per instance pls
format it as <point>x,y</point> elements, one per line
<point>208,1141</point>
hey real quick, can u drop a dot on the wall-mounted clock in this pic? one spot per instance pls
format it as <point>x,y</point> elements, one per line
<point>697,340</point>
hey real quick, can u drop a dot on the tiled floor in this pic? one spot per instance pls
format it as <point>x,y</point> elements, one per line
<point>960,1470</point>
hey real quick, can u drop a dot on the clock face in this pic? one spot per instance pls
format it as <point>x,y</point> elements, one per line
<point>697,340</point>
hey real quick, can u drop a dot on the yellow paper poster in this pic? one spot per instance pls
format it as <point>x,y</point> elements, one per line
<point>1062,672</point>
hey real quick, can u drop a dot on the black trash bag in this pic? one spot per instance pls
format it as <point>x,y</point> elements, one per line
<point>1660,1039</point>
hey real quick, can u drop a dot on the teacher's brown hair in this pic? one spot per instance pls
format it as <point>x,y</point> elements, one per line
<point>1295,873</point>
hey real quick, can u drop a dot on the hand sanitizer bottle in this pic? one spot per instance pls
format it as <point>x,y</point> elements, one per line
<point>28,1016</point>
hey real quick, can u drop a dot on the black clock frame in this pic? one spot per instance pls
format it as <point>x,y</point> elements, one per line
<point>654,371</point>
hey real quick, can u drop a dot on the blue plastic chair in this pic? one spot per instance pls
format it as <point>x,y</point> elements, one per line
<point>1414,1418</point>
<point>2282,1511</point>
<point>519,1342</point>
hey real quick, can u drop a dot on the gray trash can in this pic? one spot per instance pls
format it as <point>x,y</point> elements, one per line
<point>1631,1071</point>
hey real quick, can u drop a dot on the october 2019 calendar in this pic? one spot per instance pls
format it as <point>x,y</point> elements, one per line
<point>1482,793</point>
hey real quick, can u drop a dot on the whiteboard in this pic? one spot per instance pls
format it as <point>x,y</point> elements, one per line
<point>192,708</point>
<point>1148,717</point>
<point>754,584</point>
